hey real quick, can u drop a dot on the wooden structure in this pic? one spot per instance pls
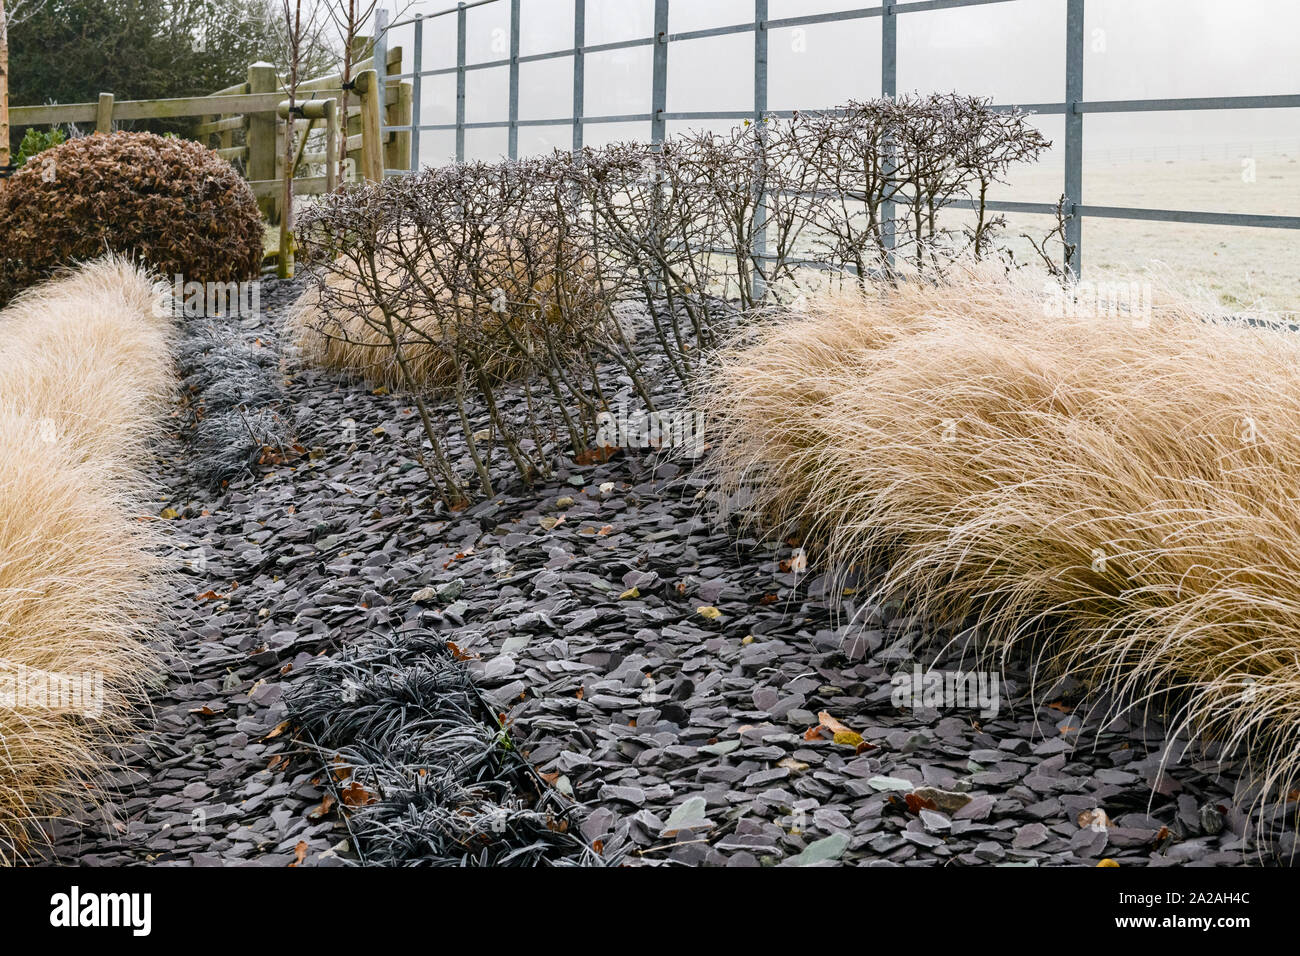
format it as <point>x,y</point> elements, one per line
<point>246,124</point>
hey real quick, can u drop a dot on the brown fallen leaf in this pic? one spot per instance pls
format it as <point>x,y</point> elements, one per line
<point>355,795</point>
<point>299,852</point>
<point>916,803</point>
<point>595,456</point>
<point>830,723</point>
<point>278,729</point>
<point>327,802</point>
<point>1094,818</point>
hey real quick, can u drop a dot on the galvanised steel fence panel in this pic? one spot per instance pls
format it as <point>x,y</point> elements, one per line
<point>1072,108</point>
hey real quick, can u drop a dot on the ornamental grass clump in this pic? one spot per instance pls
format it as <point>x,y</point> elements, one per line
<point>1117,492</point>
<point>84,371</point>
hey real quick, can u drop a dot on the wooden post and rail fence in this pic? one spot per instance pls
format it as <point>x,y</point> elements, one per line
<point>257,112</point>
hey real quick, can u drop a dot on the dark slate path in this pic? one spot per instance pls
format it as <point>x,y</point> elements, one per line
<point>686,734</point>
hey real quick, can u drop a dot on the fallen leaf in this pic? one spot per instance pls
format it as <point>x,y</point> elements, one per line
<point>1095,818</point>
<point>355,795</point>
<point>326,803</point>
<point>278,729</point>
<point>830,723</point>
<point>708,612</point>
<point>595,456</point>
<point>299,852</point>
<point>916,803</point>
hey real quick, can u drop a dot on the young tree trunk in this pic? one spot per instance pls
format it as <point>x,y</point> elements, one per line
<point>349,37</point>
<point>296,30</point>
<point>4,86</point>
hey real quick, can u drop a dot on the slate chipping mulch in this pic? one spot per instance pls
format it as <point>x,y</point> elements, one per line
<point>680,739</point>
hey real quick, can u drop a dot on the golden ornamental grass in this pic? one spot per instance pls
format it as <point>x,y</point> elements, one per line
<point>84,368</point>
<point>1120,495</point>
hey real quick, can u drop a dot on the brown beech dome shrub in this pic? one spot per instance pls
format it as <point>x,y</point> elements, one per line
<point>172,203</point>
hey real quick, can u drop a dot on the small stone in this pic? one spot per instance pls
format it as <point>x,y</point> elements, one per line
<point>1030,835</point>
<point>944,800</point>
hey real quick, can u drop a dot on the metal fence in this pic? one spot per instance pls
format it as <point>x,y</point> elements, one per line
<point>1073,106</point>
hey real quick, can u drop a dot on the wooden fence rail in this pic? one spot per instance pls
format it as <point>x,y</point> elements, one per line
<point>251,111</point>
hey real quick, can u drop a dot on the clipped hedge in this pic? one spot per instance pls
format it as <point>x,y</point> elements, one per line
<point>172,203</point>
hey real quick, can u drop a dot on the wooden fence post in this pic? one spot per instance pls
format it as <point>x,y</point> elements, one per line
<point>362,47</point>
<point>372,152</point>
<point>104,114</point>
<point>331,145</point>
<point>262,132</point>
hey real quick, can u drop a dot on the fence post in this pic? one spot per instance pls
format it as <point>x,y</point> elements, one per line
<point>759,286</point>
<point>417,84</point>
<point>1074,132</point>
<point>262,133</point>
<point>381,78</point>
<point>372,151</point>
<point>461,33</point>
<point>889,89</point>
<point>331,145</point>
<point>579,71</point>
<point>512,148</point>
<point>659,78</point>
<point>104,114</point>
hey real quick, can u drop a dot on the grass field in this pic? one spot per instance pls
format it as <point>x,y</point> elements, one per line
<point>1240,267</point>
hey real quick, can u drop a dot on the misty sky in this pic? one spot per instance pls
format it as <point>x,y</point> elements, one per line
<point>1010,51</point>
